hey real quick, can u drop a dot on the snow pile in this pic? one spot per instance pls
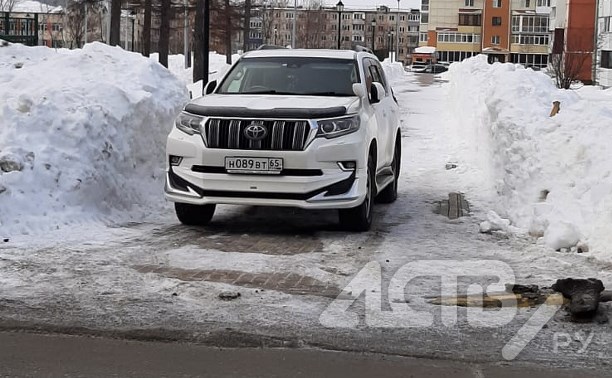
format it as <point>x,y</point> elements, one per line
<point>551,176</point>
<point>82,135</point>
<point>393,71</point>
<point>216,69</point>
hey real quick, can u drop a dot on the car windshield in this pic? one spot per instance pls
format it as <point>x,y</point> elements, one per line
<point>291,76</point>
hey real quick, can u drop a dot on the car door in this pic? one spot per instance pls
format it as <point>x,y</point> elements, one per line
<point>380,115</point>
<point>390,114</point>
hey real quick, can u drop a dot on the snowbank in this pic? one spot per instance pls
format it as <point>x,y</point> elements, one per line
<point>551,176</point>
<point>82,135</point>
<point>216,68</point>
<point>393,71</point>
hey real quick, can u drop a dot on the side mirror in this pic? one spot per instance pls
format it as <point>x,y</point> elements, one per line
<point>359,90</point>
<point>377,92</point>
<point>210,87</point>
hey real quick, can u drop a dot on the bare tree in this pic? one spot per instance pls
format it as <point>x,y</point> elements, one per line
<point>75,22</point>
<point>200,43</point>
<point>572,64</point>
<point>246,29</point>
<point>115,23</point>
<point>225,19</point>
<point>164,32</point>
<point>310,24</point>
<point>8,5</point>
<point>146,28</point>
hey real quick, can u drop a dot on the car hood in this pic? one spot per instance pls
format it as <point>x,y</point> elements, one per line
<point>276,106</point>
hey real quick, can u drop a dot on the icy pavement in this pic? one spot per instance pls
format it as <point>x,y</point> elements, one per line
<point>160,280</point>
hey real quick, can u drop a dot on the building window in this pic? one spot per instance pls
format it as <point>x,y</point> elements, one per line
<point>544,3</point>
<point>527,3</point>
<point>497,21</point>
<point>424,5</point>
<point>289,15</point>
<point>497,3</point>
<point>526,39</point>
<point>358,16</point>
<point>423,37</point>
<point>495,40</point>
<point>604,24</point>
<point>469,3</point>
<point>357,38</point>
<point>470,19</point>
<point>424,18</point>
<point>606,59</point>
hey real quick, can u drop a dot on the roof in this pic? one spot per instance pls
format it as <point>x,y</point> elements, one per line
<point>425,50</point>
<point>32,6</point>
<point>310,53</point>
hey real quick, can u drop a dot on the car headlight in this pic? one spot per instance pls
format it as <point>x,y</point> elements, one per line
<point>188,123</point>
<point>333,128</point>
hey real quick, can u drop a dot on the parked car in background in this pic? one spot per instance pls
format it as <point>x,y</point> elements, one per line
<point>436,68</point>
<point>418,67</point>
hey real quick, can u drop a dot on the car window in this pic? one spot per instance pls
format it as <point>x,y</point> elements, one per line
<point>292,75</point>
<point>378,74</point>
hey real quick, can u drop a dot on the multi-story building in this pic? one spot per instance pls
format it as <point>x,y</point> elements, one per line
<point>604,44</point>
<point>34,23</point>
<point>506,30</point>
<point>383,30</point>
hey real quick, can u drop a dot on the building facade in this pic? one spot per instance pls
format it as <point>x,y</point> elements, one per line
<point>506,30</point>
<point>604,44</point>
<point>383,29</point>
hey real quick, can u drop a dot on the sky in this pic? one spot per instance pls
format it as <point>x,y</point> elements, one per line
<point>371,4</point>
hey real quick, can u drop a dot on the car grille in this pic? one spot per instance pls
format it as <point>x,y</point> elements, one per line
<point>279,136</point>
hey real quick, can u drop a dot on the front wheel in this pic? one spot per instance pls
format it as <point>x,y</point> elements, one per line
<point>360,218</point>
<point>194,215</point>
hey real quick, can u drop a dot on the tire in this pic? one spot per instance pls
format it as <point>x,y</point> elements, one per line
<point>359,218</point>
<point>194,215</point>
<point>389,194</point>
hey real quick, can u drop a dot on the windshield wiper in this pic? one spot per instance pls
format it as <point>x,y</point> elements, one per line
<point>327,94</point>
<point>270,91</point>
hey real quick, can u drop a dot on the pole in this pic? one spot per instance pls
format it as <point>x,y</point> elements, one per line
<point>595,42</point>
<point>126,32</point>
<point>206,42</point>
<point>185,36</point>
<point>133,21</point>
<point>373,33</point>
<point>339,27</point>
<point>85,38</point>
<point>294,17</point>
<point>397,32</point>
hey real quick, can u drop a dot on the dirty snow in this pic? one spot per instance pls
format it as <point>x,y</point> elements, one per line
<point>80,135</point>
<point>550,177</point>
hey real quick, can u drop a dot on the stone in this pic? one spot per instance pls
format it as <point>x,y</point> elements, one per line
<point>584,295</point>
<point>9,163</point>
<point>521,289</point>
<point>229,295</point>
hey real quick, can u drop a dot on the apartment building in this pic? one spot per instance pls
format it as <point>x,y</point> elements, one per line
<point>506,30</point>
<point>383,29</point>
<point>604,44</point>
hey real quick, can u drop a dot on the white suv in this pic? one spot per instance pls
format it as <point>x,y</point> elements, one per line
<point>315,129</point>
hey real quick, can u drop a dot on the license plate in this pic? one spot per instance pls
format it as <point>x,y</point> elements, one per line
<point>253,165</point>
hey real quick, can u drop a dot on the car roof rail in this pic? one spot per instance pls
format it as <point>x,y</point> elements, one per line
<point>363,48</point>
<point>270,47</point>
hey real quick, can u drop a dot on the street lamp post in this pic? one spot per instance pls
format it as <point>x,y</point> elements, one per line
<point>339,8</point>
<point>373,32</point>
<point>275,35</point>
<point>388,43</point>
<point>397,31</point>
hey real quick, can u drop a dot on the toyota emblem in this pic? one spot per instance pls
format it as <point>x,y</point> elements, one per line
<point>255,132</point>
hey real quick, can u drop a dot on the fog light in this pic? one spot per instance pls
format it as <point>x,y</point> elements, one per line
<point>347,165</point>
<point>175,160</point>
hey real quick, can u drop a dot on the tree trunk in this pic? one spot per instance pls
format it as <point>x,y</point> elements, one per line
<point>198,42</point>
<point>115,23</point>
<point>247,25</point>
<point>228,35</point>
<point>146,29</point>
<point>164,32</point>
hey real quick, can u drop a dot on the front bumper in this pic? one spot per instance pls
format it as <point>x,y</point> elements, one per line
<point>311,179</point>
